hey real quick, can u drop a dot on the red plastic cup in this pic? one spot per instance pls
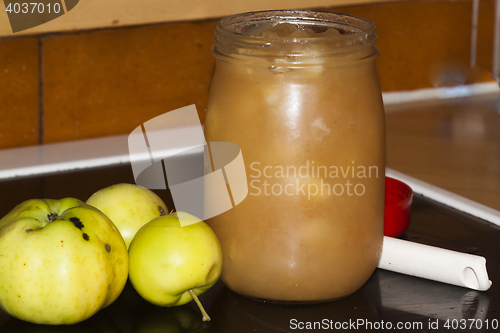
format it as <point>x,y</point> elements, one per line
<point>398,198</point>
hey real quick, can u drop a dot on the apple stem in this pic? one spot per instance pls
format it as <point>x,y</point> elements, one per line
<point>203,312</point>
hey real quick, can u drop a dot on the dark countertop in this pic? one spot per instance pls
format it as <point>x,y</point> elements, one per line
<point>387,299</point>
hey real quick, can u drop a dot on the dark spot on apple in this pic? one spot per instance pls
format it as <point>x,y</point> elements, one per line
<point>76,221</point>
<point>85,236</point>
<point>162,211</point>
<point>108,247</point>
<point>51,217</point>
<point>29,230</point>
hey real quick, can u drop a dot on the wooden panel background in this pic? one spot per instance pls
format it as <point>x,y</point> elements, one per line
<point>74,85</point>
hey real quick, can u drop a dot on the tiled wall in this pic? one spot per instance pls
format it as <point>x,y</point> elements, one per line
<point>63,87</point>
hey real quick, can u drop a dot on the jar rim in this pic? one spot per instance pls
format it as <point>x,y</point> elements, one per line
<point>351,24</point>
<point>238,32</point>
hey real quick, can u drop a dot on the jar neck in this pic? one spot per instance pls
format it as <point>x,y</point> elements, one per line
<point>243,36</point>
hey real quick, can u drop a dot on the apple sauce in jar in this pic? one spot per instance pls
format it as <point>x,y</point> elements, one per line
<point>298,92</point>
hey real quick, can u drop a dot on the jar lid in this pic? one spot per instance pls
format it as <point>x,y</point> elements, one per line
<point>398,199</point>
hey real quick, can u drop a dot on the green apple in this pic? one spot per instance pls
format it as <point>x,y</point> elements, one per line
<point>129,206</point>
<point>171,264</point>
<point>61,261</point>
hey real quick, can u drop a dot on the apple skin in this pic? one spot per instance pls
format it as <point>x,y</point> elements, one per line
<point>129,206</point>
<point>167,260</point>
<point>61,261</point>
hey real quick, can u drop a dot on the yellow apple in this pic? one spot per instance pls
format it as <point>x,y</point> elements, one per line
<point>171,264</point>
<point>129,206</point>
<point>61,261</point>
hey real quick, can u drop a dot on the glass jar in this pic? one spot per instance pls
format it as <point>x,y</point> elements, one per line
<point>298,92</point>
